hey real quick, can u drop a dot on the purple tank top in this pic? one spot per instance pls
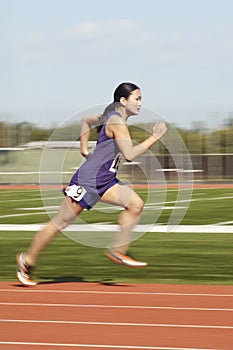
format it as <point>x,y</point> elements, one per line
<point>100,169</point>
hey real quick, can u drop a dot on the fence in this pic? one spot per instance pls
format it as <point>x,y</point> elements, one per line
<point>20,165</point>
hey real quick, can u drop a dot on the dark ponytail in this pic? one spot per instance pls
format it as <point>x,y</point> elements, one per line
<point>123,90</point>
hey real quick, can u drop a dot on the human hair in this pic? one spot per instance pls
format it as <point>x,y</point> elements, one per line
<point>122,90</point>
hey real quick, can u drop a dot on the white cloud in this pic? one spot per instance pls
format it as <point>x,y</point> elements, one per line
<point>181,67</point>
<point>132,40</point>
<point>30,40</point>
<point>100,29</point>
<point>83,30</point>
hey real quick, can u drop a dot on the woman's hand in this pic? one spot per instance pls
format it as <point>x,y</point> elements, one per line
<point>85,154</point>
<point>85,132</point>
<point>159,129</point>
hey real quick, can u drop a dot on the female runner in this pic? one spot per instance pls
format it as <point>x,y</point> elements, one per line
<point>96,180</point>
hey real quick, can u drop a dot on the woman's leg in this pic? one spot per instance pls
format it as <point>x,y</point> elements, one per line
<point>124,196</point>
<point>68,211</point>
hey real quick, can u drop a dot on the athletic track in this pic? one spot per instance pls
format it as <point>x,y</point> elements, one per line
<point>95,316</point>
<point>194,185</point>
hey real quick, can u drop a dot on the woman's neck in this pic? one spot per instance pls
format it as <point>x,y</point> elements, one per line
<point>122,112</point>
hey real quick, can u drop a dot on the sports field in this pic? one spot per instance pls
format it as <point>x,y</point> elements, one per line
<point>199,250</point>
<point>181,301</point>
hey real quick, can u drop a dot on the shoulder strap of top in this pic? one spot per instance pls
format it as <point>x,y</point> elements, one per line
<point>114,112</point>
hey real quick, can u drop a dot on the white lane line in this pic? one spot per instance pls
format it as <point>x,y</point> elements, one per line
<point>29,290</point>
<point>118,324</point>
<point>44,208</point>
<point>102,346</point>
<point>139,228</point>
<point>99,306</point>
<point>31,199</point>
<point>225,223</point>
<point>24,214</point>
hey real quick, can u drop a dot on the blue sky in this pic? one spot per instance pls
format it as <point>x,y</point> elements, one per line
<point>62,56</point>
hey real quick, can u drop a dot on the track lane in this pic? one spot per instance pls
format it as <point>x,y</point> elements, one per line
<point>156,316</point>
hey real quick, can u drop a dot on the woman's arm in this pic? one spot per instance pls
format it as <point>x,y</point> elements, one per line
<point>87,123</point>
<point>117,128</point>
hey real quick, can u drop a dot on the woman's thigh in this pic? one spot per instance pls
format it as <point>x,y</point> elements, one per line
<point>121,195</point>
<point>67,212</point>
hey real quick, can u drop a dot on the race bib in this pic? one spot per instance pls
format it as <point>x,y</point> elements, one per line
<point>115,164</point>
<point>75,192</point>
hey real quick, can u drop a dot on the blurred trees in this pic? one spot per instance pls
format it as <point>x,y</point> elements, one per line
<point>197,140</point>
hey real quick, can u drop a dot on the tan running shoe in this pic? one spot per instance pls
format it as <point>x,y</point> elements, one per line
<point>24,271</point>
<point>122,259</point>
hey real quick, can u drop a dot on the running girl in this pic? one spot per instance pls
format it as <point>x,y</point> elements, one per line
<point>96,180</point>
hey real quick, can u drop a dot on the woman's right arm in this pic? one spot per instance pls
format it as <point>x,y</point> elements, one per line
<point>87,123</point>
<point>120,132</point>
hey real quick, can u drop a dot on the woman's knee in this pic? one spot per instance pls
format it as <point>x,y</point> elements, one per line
<point>62,220</point>
<point>67,213</point>
<point>60,223</point>
<point>136,206</point>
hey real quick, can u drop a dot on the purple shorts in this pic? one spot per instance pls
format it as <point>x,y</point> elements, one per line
<point>87,196</point>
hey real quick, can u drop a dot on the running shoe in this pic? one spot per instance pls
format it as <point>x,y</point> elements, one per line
<point>122,259</point>
<point>24,271</point>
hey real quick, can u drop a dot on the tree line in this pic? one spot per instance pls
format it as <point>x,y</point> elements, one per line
<point>197,141</point>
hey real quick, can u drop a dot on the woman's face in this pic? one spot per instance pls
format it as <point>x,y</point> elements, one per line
<point>134,102</point>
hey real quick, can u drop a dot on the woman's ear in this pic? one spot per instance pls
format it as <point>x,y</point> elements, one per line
<point>123,101</point>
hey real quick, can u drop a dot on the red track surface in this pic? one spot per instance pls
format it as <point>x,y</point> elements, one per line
<point>167,185</point>
<point>94,316</point>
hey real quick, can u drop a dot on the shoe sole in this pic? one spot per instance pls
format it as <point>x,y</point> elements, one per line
<point>124,261</point>
<point>25,281</point>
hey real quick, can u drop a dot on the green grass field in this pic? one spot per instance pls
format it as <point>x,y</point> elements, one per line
<point>202,258</point>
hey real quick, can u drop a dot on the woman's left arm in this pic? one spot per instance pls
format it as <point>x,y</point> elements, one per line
<point>85,132</point>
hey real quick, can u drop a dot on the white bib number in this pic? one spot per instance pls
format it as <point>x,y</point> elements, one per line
<point>75,192</point>
<point>115,164</point>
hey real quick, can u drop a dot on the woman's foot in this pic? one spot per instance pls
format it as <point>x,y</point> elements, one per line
<point>123,259</point>
<point>24,271</point>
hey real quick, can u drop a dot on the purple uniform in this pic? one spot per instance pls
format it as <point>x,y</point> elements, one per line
<point>97,173</point>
